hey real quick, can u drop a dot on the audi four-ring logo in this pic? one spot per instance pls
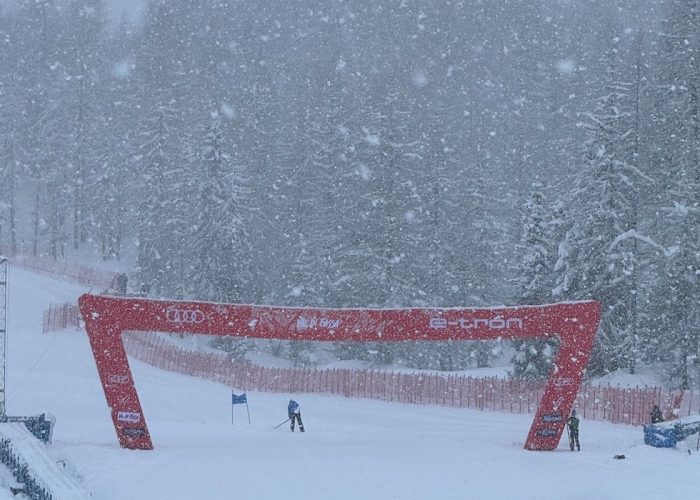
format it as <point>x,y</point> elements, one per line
<point>175,315</point>
<point>562,382</point>
<point>118,379</point>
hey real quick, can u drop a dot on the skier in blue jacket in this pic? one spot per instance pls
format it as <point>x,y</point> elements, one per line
<point>294,412</point>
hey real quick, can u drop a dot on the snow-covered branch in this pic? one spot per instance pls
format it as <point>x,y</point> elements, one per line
<point>632,233</point>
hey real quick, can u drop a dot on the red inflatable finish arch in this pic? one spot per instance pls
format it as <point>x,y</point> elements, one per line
<point>106,318</point>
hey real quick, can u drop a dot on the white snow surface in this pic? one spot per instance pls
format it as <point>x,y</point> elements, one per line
<point>48,472</point>
<point>353,449</point>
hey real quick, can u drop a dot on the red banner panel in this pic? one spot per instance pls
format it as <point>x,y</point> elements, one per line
<point>106,318</point>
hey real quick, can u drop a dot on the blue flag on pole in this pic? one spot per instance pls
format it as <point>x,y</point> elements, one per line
<point>238,400</point>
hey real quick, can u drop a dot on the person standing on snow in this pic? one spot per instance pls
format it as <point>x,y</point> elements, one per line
<point>294,412</point>
<point>656,415</point>
<point>572,424</point>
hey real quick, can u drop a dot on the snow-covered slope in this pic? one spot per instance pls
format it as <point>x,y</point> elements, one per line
<point>353,449</point>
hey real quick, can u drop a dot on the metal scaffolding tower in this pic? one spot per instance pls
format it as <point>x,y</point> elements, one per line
<point>4,264</point>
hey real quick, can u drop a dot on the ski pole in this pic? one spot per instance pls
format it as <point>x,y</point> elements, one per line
<point>283,423</point>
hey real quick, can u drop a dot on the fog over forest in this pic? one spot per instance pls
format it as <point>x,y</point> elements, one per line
<point>356,153</point>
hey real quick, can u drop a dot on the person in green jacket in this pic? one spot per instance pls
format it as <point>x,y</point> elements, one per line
<point>572,423</point>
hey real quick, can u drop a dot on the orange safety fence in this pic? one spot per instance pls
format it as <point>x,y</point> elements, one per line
<point>594,402</point>
<point>83,275</point>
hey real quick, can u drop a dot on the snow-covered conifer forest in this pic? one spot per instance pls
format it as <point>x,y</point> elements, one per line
<point>371,154</point>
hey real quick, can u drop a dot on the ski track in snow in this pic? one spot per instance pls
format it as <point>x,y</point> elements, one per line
<point>353,449</point>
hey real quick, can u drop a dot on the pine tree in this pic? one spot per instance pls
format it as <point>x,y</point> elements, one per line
<point>220,254</point>
<point>597,257</point>
<point>164,257</point>
<point>113,187</point>
<point>10,137</point>
<point>679,137</point>
<point>533,358</point>
<point>82,47</point>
